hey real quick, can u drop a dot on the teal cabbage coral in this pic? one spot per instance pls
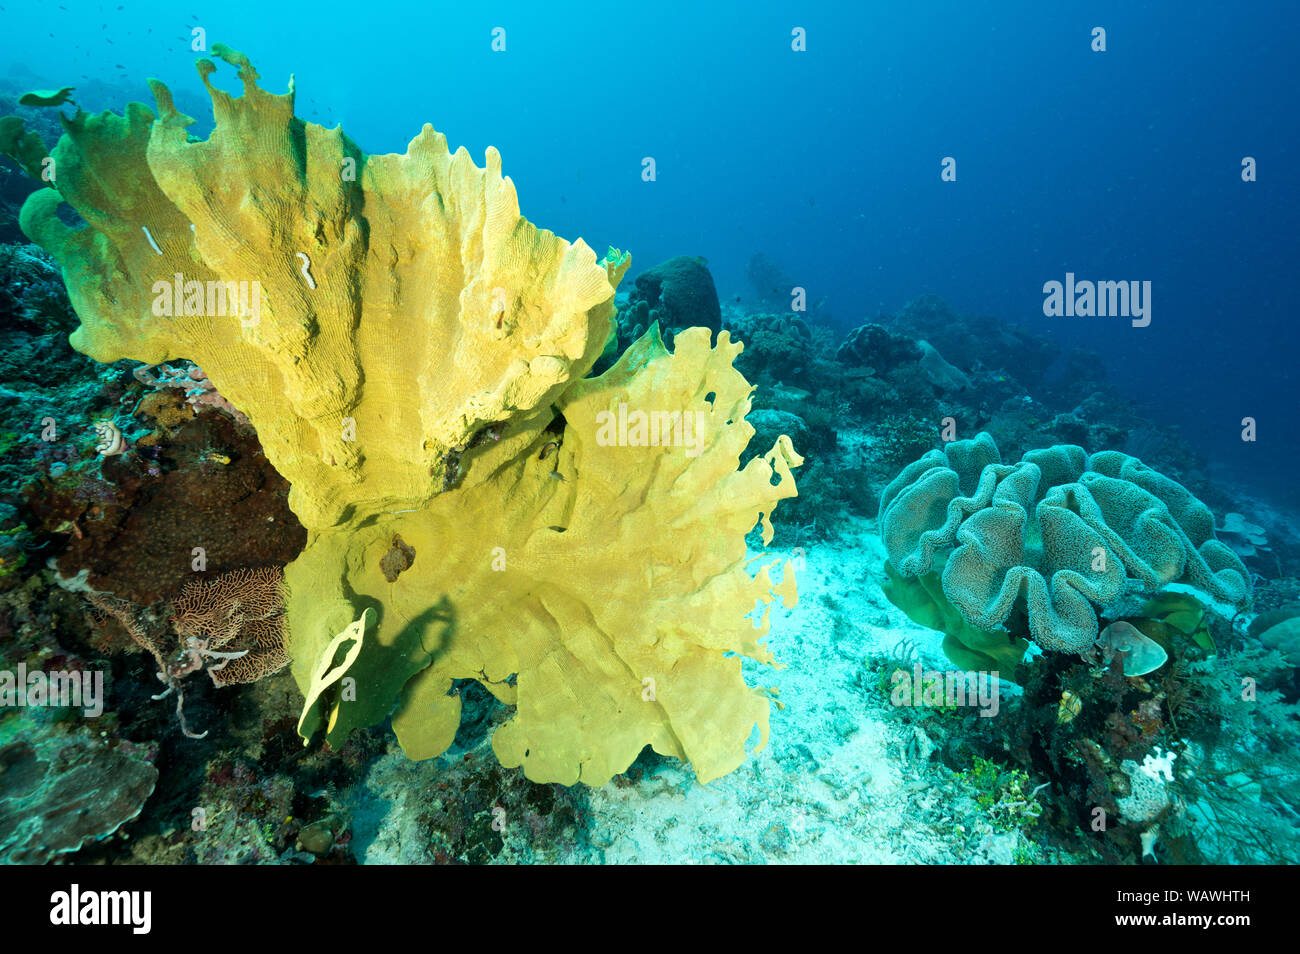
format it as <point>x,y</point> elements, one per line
<point>1059,534</point>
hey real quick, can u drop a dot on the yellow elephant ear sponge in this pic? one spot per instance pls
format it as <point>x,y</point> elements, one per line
<point>413,354</point>
<point>369,313</point>
<point>618,617</point>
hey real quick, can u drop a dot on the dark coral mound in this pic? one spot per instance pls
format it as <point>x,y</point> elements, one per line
<point>135,520</point>
<point>678,294</point>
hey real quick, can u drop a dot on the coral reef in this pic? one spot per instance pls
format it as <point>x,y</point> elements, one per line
<point>875,346</point>
<point>890,372</point>
<point>778,348</point>
<point>979,341</point>
<point>199,390</point>
<point>188,481</point>
<point>525,519</point>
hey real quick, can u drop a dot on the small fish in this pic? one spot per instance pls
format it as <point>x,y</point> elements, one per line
<point>215,457</point>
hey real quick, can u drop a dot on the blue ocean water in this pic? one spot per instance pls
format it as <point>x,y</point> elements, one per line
<point>1115,165</point>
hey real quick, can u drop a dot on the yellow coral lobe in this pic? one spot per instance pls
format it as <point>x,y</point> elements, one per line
<point>47,97</point>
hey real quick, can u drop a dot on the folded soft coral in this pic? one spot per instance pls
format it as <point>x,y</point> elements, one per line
<point>1052,538</point>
